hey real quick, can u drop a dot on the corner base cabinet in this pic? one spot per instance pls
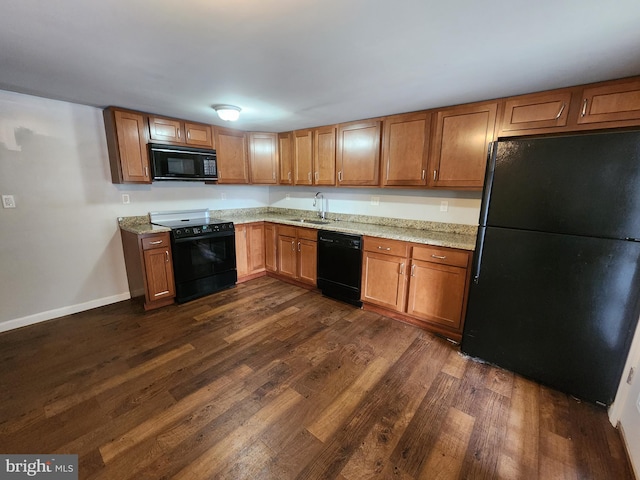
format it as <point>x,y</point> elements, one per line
<point>149,267</point>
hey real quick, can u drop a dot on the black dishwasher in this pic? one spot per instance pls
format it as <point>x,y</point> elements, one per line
<point>340,266</point>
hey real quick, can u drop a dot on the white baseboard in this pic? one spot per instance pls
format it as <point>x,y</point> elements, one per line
<point>61,312</point>
<point>634,467</point>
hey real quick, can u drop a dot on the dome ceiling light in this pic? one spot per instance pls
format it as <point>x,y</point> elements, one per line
<point>228,113</point>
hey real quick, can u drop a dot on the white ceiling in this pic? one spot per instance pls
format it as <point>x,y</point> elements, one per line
<point>300,63</point>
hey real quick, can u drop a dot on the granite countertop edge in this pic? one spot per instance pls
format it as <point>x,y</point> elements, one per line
<point>461,237</point>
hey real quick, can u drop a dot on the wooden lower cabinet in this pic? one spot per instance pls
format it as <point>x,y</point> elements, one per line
<point>297,252</point>
<point>149,267</point>
<point>420,284</point>
<point>250,251</point>
<point>270,247</point>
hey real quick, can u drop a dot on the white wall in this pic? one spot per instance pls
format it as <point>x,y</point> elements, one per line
<point>418,204</point>
<point>60,249</point>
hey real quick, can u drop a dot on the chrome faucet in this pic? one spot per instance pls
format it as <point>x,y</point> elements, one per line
<point>322,213</point>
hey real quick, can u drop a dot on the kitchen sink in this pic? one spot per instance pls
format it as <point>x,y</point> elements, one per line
<point>306,220</point>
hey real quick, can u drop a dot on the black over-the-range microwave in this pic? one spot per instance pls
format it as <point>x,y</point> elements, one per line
<point>170,162</point>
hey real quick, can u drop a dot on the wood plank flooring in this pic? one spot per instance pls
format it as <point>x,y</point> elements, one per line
<point>271,381</point>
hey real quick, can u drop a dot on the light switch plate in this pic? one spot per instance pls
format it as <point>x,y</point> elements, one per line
<point>375,200</point>
<point>8,201</point>
<point>444,206</point>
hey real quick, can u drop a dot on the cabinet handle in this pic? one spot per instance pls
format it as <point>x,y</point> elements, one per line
<point>179,134</point>
<point>157,242</point>
<point>435,175</point>
<point>146,171</point>
<point>317,175</point>
<point>340,176</point>
<point>384,248</point>
<point>584,107</point>
<point>402,269</point>
<point>298,246</point>
<point>188,134</point>
<point>309,176</point>
<point>166,252</point>
<point>440,257</point>
<point>413,269</point>
<point>273,175</point>
<point>561,110</point>
<point>293,246</point>
<point>289,176</point>
<point>424,173</point>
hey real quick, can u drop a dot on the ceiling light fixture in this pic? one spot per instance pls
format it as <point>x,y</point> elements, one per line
<point>228,113</point>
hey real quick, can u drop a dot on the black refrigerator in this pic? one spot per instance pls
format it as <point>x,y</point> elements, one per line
<point>555,291</point>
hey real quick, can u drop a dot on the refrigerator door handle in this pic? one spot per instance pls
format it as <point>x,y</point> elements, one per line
<point>477,258</point>
<point>488,182</point>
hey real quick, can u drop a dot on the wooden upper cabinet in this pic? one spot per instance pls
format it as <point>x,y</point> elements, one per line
<point>358,153</point>
<point>285,151</point>
<point>611,102</point>
<point>324,156</point>
<point>405,149</point>
<point>263,157</point>
<point>231,147</point>
<point>314,156</point>
<point>127,144</point>
<point>535,111</point>
<point>198,135</point>
<point>166,129</point>
<point>171,130</point>
<point>460,143</point>
<point>303,157</point>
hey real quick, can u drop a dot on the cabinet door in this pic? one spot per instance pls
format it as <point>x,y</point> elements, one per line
<point>263,157</point>
<point>358,153</point>
<point>531,112</point>
<point>285,150</point>
<point>287,256</point>
<point>460,143</point>
<point>165,129</point>
<point>242,251</point>
<point>159,274</point>
<point>617,102</point>
<point>198,134</point>
<point>232,156</point>
<point>303,157</point>
<point>436,293</point>
<point>405,149</point>
<point>127,144</point>
<point>384,280</point>
<point>270,247</point>
<point>255,247</point>
<point>324,156</point>
<point>307,261</point>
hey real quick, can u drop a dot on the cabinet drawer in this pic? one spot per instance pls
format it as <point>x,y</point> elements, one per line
<point>308,233</point>
<point>445,256</point>
<point>383,245</point>
<point>287,231</point>
<point>160,240</point>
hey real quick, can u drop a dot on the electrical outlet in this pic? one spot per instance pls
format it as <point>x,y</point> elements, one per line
<point>126,199</point>
<point>444,206</point>
<point>287,196</point>
<point>223,196</point>
<point>8,201</point>
<point>375,200</point>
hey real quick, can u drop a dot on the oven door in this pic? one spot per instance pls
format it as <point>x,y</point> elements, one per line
<point>204,264</point>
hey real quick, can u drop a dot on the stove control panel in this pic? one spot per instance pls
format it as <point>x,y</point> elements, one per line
<point>219,228</point>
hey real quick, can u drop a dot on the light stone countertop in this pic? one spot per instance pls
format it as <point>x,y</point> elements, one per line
<point>428,233</point>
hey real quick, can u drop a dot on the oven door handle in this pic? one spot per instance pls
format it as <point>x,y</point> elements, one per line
<point>204,237</point>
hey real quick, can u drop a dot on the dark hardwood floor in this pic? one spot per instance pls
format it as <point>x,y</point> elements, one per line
<point>271,381</point>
